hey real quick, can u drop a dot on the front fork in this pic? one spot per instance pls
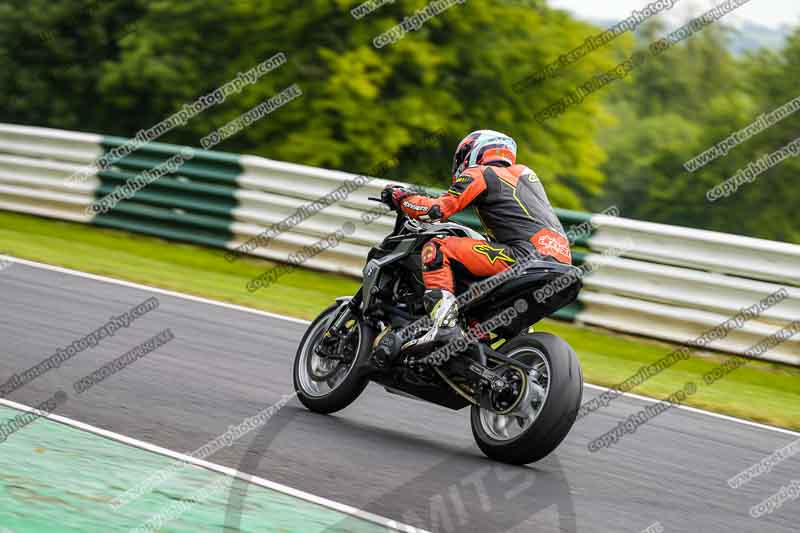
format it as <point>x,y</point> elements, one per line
<point>335,331</point>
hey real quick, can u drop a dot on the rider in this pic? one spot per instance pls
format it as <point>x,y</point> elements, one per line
<point>515,212</point>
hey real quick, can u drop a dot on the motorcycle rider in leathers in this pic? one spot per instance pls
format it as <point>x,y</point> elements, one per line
<point>513,207</point>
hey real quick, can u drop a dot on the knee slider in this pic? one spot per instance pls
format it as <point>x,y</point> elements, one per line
<point>432,257</point>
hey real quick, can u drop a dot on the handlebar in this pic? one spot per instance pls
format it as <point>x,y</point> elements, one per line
<point>401,217</point>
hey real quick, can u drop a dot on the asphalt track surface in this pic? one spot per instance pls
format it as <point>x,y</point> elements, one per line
<point>396,457</point>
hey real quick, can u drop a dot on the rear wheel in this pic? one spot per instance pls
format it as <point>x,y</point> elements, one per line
<point>531,430</point>
<point>329,380</point>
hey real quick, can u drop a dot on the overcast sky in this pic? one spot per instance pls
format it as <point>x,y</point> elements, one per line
<point>771,13</point>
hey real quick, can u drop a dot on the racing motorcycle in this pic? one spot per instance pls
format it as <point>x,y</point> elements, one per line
<point>524,388</point>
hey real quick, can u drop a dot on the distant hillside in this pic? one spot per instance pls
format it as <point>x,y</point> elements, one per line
<point>751,36</point>
<point>748,36</point>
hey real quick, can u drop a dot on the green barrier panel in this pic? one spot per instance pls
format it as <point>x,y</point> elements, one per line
<point>171,192</point>
<point>183,184</point>
<point>225,163</point>
<point>191,168</point>
<point>167,224</point>
<point>194,204</point>
<point>569,217</point>
<point>569,312</point>
<point>158,230</point>
<point>55,478</point>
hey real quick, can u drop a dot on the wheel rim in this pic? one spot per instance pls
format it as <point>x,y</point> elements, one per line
<point>335,371</point>
<point>506,428</point>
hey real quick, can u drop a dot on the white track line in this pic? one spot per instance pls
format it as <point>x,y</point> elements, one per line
<point>132,285</point>
<point>255,480</point>
<point>299,321</point>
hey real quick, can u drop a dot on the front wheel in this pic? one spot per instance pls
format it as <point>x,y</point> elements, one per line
<point>328,369</point>
<point>536,427</point>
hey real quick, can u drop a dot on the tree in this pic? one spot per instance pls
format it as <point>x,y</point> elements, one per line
<point>683,103</point>
<point>361,105</point>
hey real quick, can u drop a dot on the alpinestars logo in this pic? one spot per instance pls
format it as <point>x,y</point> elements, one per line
<point>415,207</point>
<point>493,253</point>
<point>552,243</point>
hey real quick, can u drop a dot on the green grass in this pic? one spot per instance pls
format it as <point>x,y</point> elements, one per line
<point>763,392</point>
<point>176,266</point>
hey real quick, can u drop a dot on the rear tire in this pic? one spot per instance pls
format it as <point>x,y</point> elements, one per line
<point>555,417</point>
<point>353,379</point>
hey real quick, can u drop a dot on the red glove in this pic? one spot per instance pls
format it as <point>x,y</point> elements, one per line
<point>394,194</point>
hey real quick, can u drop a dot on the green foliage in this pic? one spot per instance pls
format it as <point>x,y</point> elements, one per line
<point>51,60</point>
<point>682,104</point>
<point>118,66</point>
<point>361,106</point>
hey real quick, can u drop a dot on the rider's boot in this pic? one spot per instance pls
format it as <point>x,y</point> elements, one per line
<point>443,310</point>
<point>442,307</point>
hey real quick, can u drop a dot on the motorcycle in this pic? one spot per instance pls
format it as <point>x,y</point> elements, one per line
<point>524,388</point>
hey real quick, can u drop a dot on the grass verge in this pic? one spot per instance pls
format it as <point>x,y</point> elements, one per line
<point>761,391</point>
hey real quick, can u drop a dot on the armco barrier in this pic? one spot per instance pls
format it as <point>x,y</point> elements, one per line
<point>673,283</point>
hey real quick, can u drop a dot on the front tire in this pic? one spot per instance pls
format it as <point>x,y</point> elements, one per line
<point>550,421</point>
<point>344,380</point>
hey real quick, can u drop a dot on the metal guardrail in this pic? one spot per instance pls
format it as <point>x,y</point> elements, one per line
<point>674,283</point>
<point>700,249</point>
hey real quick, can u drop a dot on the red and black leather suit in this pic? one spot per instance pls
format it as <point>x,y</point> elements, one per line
<point>513,207</point>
